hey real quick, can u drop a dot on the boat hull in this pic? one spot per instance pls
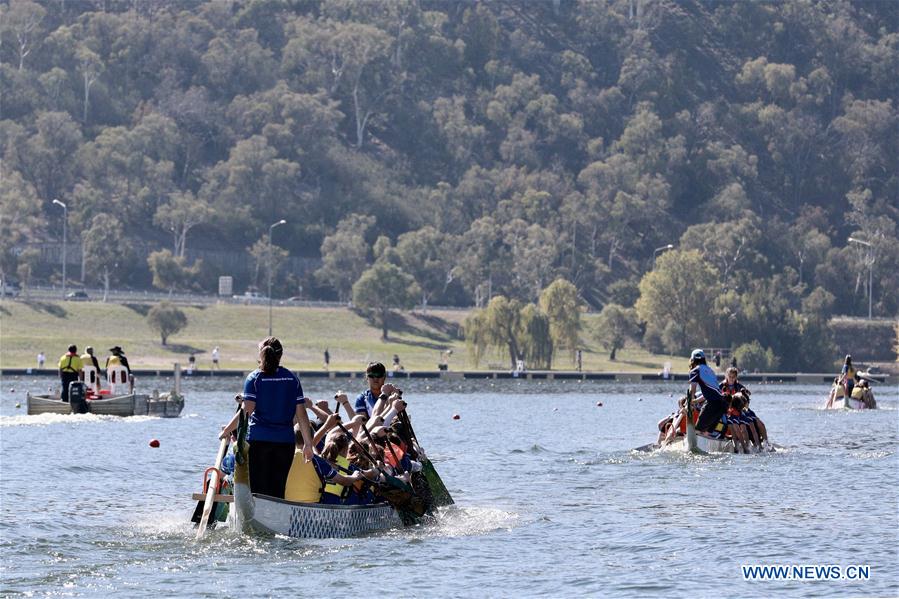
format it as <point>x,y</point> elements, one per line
<point>851,404</point>
<point>703,444</point>
<point>309,520</point>
<point>133,404</point>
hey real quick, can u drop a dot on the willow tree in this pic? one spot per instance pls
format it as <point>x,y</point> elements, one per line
<point>560,302</point>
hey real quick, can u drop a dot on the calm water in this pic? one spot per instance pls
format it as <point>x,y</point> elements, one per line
<point>552,501</point>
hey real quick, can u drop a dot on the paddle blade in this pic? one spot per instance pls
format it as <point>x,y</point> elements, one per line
<point>439,492</point>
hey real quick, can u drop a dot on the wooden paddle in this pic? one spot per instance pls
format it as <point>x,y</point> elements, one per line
<point>212,487</point>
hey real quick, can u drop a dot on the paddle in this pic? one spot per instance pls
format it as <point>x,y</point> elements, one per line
<point>441,496</point>
<point>212,487</point>
<point>397,493</point>
<point>691,430</point>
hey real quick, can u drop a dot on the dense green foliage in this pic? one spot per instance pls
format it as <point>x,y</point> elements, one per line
<point>496,146</point>
<point>166,319</point>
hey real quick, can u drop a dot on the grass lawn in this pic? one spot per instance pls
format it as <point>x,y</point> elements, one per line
<point>29,327</point>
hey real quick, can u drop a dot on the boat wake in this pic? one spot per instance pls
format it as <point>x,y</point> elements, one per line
<point>52,419</point>
<point>454,521</point>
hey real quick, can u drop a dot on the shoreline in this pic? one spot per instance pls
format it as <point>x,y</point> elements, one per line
<point>455,375</point>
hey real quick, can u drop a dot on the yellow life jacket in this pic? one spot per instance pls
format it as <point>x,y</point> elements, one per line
<point>303,483</point>
<point>850,373</point>
<point>113,360</point>
<point>334,488</point>
<point>70,363</point>
<point>858,393</point>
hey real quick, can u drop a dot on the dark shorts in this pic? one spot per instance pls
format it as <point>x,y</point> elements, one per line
<point>269,466</point>
<point>711,414</point>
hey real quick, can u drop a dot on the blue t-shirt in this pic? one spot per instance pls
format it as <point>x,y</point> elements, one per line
<point>705,377</point>
<point>365,403</point>
<point>277,397</point>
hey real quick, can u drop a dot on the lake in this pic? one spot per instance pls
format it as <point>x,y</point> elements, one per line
<point>551,500</point>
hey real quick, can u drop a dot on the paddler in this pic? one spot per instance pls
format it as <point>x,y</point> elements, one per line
<point>308,478</point>
<point>845,383</point>
<point>376,373</point>
<point>711,416</point>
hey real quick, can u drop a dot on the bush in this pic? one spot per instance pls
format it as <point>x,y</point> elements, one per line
<point>166,319</point>
<point>753,357</point>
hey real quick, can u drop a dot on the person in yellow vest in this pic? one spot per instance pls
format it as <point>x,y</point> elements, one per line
<point>306,480</point>
<point>117,357</point>
<point>69,370</point>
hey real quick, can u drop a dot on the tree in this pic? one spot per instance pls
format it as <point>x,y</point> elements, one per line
<point>170,271</point>
<point>427,255</point>
<point>561,303</point>
<point>22,20</point>
<point>19,217</point>
<point>615,326</point>
<point>183,212</point>
<point>536,342</point>
<point>754,358</point>
<point>28,260</point>
<point>383,288</point>
<point>267,259</point>
<point>497,326</point>
<point>345,254</point>
<point>677,294</point>
<point>107,250</point>
<point>166,319</point>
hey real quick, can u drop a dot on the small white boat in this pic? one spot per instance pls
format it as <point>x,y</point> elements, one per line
<point>165,405</point>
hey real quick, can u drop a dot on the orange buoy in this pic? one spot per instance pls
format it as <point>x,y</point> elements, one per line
<point>154,442</point>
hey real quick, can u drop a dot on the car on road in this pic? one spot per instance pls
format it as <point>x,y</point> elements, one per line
<point>77,296</point>
<point>9,289</point>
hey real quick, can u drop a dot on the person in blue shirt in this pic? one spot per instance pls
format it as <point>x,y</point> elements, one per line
<point>272,400</point>
<point>376,374</point>
<point>715,405</point>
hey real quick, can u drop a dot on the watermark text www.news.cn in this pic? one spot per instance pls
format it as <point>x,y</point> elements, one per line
<point>805,572</point>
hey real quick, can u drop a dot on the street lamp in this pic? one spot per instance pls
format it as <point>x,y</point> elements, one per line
<point>869,260</point>
<point>65,222</point>
<point>661,249</point>
<point>270,230</point>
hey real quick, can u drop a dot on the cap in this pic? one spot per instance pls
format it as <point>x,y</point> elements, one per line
<point>697,354</point>
<point>377,369</point>
<point>89,349</point>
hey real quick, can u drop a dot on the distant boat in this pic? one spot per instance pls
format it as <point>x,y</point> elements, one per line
<point>165,405</point>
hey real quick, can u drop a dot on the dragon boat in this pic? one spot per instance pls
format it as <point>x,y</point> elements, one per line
<point>254,512</point>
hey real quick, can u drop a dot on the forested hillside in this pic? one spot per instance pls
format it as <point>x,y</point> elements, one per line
<point>483,148</point>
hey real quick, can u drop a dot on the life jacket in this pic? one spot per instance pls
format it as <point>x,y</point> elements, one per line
<point>858,393</point>
<point>683,422</point>
<point>389,455</point>
<point>68,363</point>
<point>113,360</point>
<point>336,489</point>
<point>850,373</point>
<point>303,483</point>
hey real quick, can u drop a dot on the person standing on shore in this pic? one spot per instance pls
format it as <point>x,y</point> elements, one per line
<point>41,358</point>
<point>327,359</point>
<point>215,357</point>
<point>69,370</point>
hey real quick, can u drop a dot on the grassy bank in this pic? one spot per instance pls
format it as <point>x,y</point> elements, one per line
<point>28,328</point>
